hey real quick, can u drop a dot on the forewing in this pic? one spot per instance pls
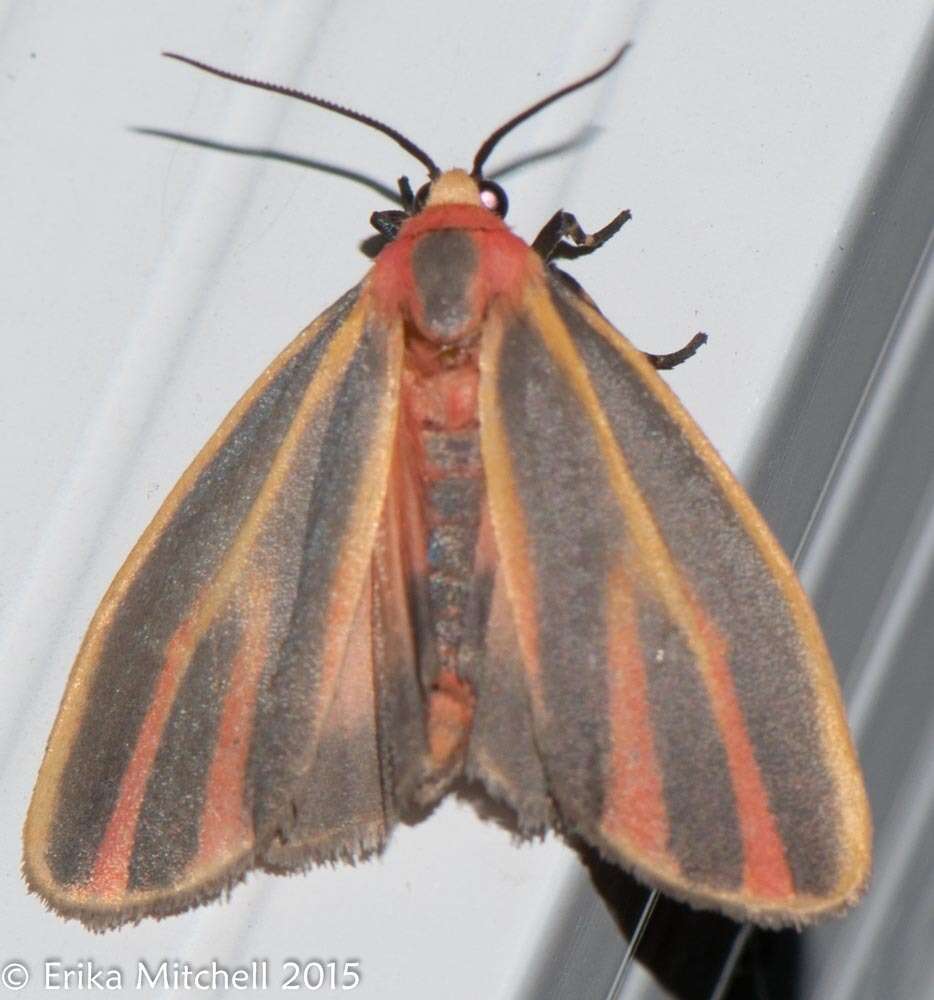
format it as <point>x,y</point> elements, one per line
<point>683,702</point>
<point>373,754</point>
<point>502,752</point>
<point>198,698</point>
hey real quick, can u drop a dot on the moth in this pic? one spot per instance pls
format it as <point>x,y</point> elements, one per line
<point>460,527</point>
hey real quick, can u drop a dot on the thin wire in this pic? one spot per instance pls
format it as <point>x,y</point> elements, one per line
<point>276,88</point>
<point>634,943</point>
<point>729,966</point>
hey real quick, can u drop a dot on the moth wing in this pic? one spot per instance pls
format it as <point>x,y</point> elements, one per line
<point>372,756</point>
<point>205,683</point>
<point>676,687</point>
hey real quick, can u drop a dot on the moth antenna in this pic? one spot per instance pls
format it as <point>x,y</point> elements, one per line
<point>276,88</point>
<point>484,151</point>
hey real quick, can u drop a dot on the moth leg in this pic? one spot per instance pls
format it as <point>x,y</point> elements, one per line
<point>552,242</point>
<point>387,223</point>
<point>661,362</point>
<point>407,195</point>
<point>665,362</point>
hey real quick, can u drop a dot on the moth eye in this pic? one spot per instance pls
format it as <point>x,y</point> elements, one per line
<point>494,198</point>
<point>422,196</point>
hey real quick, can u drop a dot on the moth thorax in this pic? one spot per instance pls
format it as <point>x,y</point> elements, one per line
<point>444,265</point>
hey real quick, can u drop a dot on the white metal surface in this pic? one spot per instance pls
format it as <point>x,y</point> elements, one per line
<point>146,281</point>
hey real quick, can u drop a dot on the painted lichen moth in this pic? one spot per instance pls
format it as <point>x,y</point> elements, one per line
<point>460,527</point>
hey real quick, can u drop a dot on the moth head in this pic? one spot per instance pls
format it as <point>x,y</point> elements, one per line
<point>457,187</point>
